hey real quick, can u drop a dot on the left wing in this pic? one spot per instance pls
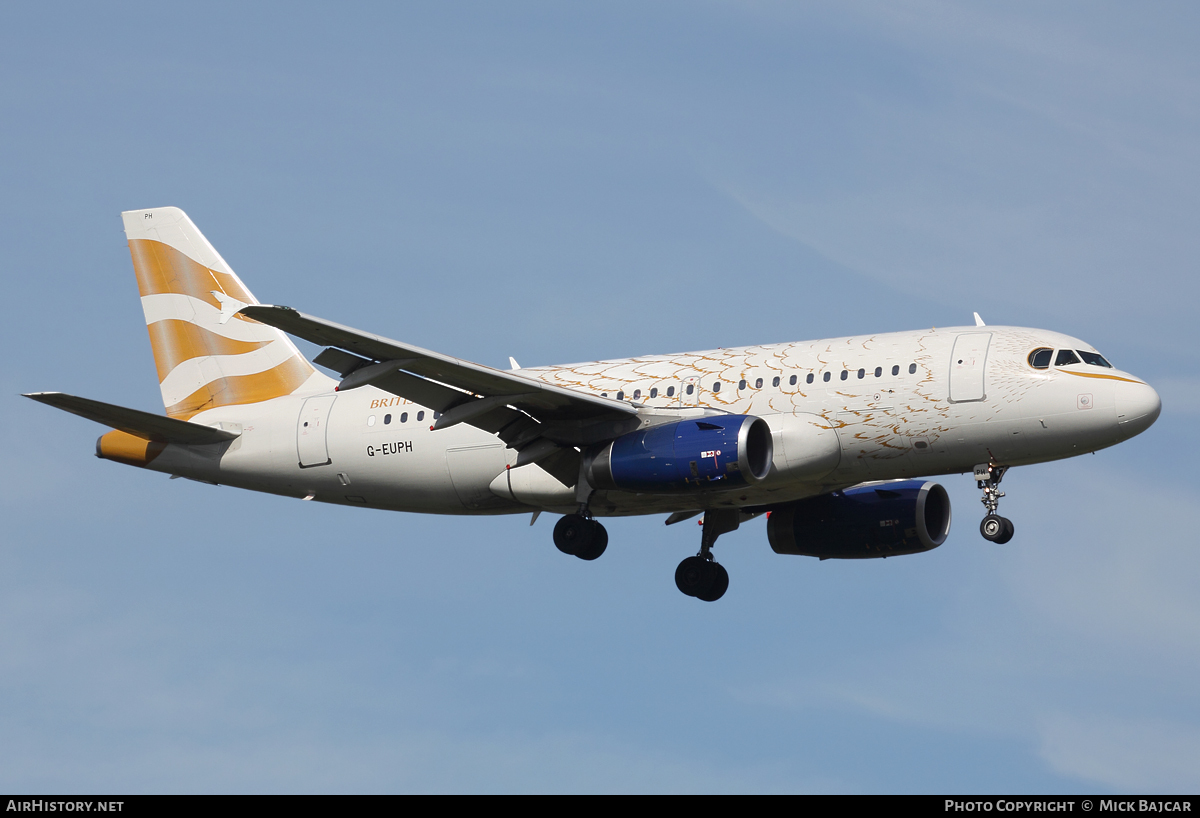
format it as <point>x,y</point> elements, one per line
<point>541,420</point>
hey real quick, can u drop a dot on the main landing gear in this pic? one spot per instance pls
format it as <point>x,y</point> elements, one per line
<point>701,576</point>
<point>580,536</point>
<point>994,528</point>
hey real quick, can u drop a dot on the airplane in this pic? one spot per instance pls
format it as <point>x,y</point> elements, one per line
<point>829,439</point>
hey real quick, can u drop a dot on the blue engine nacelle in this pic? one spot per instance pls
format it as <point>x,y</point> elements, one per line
<point>879,520</point>
<point>700,454</point>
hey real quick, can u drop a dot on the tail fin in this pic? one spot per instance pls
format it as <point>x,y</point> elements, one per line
<point>206,354</point>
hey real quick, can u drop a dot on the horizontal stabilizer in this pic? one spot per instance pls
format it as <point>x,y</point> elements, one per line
<point>135,422</point>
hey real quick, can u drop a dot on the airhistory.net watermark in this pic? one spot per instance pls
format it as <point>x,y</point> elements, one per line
<point>41,805</point>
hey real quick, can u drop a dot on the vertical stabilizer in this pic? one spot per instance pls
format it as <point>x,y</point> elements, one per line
<point>206,354</point>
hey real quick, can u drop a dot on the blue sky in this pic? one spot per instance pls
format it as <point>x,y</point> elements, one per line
<point>562,183</point>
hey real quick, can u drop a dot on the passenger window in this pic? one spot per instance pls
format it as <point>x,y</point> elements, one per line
<point>862,373</point>
<point>825,377</point>
<point>742,384</point>
<point>371,420</point>
<point>387,419</point>
<point>691,388</point>
<point>809,379</point>
<point>420,415</point>
<point>758,383</point>
<point>792,380</point>
<point>1040,358</point>
<point>1065,357</point>
<point>912,369</point>
<point>775,380</point>
<point>437,415</point>
<point>1094,359</point>
<point>879,372</point>
<point>403,417</point>
<point>895,370</point>
<point>637,394</point>
<point>621,395</point>
<point>654,392</point>
<point>716,386</point>
<point>845,374</point>
<point>670,391</point>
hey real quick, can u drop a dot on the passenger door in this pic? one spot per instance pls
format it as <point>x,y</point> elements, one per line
<point>311,446</point>
<point>967,366</point>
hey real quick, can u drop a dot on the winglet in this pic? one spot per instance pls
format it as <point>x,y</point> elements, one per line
<point>229,305</point>
<point>979,321</point>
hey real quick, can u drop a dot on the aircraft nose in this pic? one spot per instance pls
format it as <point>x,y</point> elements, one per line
<point>1138,406</point>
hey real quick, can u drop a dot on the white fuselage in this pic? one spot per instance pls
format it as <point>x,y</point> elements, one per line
<point>877,407</point>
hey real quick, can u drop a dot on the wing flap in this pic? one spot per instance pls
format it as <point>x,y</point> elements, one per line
<point>563,466</point>
<point>442,398</point>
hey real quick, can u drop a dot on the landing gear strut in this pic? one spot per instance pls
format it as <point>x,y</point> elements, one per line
<point>580,536</point>
<point>994,528</point>
<point>701,576</point>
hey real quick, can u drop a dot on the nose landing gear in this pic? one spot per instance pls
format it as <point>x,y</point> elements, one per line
<point>701,576</point>
<point>994,528</point>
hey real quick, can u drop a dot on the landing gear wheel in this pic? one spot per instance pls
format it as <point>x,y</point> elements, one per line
<point>570,533</point>
<point>695,576</point>
<point>580,537</point>
<point>720,583</point>
<point>1009,529</point>
<point>597,542</point>
<point>992,528</point>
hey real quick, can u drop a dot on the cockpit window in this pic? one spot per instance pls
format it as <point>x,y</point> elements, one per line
<point>1093,359</point>
<point>1040,358</point>
<point>1066,357</point>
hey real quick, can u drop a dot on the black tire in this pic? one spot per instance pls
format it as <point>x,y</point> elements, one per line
<point>695,576</point>
<point>720,583</point>
<point>597,541</point>
<point>1009,530</point>
<point>992,528</point>
<point>572,534</point>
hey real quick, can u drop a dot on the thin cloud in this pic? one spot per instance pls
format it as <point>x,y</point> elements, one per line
<point>1146,755</point>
